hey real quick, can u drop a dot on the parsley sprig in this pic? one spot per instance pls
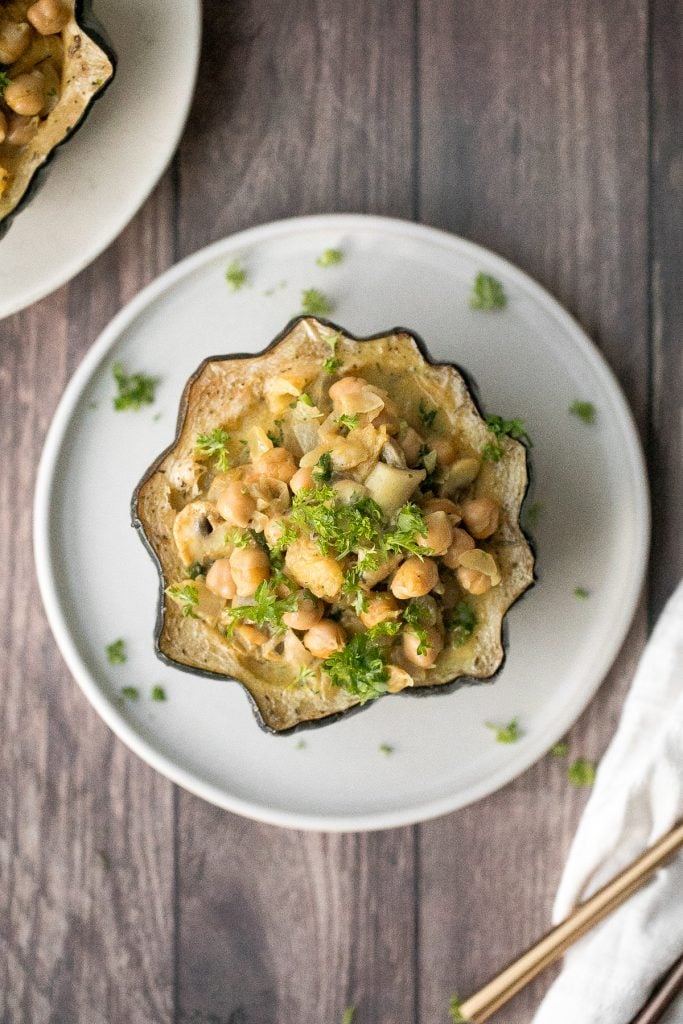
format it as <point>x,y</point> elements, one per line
<point>214,445</point>
<point>330,257</point>
<point>267,609</point>
<point>187,597</point>
<point>499,427</point>
<point>134,389</point>
<point>361,667</point>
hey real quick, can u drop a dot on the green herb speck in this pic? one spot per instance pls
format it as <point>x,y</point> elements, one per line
<point>116,652</point>
<point>134,389</point>
<point>509,733</point>
<point>534,514</point>
<point>487,293</point>
<point>581,772</point>
<point>236,275</point>
<point>315,303</point>
<point>581,594</point>
<point>585,411</point>
<point>130,692</point>
<point>158,693</point>
<point>561,749</point>
<point>454,1010</point>
<point>386,749</point>
<point>330,257</point>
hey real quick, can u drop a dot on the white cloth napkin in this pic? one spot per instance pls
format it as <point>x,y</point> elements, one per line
<point>637,797</point>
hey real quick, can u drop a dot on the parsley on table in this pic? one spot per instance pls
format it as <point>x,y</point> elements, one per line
<point>581,594</point>
<point>214,445</point>
<point>509,733</point>
<point>349,1014</point>
<point>134,389</point>
<point>330,365</point>
<point>130,692</point>
<point>427,414</point>
<point>236,275</point>
<point>187,597</point>
<point>487,293</point>
<point>361,668</point>
<point>267,609</point>
<point>116,652</point>
<point>315,303</point>
<point>581,772</point>
<point>585,411</point>
<point>499,427</point>
<point>461,622</point>
<point>560,749</point>
<point>330,257</point>
<point>322,471</point>
<point>454,1010</point>
<point>158,693</point>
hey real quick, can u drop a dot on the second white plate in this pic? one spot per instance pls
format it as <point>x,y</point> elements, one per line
<point>530,361</point>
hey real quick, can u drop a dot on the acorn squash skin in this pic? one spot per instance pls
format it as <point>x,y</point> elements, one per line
<point>91,27</point>
<point>139,525</point>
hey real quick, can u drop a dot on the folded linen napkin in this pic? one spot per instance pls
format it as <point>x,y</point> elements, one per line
<point>637,797</point>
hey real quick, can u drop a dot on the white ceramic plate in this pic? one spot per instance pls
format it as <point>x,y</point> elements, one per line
<point>100,177</point>
<point>532,360</point>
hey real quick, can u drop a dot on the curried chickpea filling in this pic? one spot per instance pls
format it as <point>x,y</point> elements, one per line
<point>31,74</point>
<point>336,535</point>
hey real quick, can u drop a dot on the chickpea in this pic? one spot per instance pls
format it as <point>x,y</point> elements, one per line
<point>346,387</point>
<point>473,581</point>
<point>380,608</point>
<point>415,578</point>
<point>219,579</point>
<point>249,567</point>
<point>481,516</point>
<point>434,643</point>
<point>20,130</point>
<point>15,37</point>
<point>250,635</point>
<point>439,533</point>
<point>26,94</point>
<point>444,448</point>
<point>48,16</point>
<point>308,612</point>
<point>325,638</point>
<point>301,479</point>
<point>3,127</point>
<point>236,505</point>
<point>321,574</point>
<point>461,542</point>
<point>398,679</point>
<point>277,463</point>
<point>411,443</point>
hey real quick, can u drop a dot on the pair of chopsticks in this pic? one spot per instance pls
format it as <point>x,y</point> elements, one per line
<point>479,1007</point>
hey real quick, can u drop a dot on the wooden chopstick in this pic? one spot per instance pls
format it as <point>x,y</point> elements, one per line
<point>479,1007</point>
<point>662,997</point>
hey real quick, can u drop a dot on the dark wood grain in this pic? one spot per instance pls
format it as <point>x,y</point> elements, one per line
<point>546,131</point>
<point>86,829</point>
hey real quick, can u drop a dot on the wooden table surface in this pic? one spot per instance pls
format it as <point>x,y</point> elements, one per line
<point>544,130</point>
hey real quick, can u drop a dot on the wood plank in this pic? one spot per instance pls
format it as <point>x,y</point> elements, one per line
<point>316,115</point>
<point>533,141</point>
<point>666,413</point>
<point>86,863</point>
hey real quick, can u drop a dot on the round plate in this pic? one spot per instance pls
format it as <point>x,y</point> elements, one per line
<point>100,177</point>
<point>530,361</point>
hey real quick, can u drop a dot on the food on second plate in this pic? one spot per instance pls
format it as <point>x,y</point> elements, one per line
<point>329,528</point>
<point>53,62</point>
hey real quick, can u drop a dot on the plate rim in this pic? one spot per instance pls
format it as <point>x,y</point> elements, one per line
<point>534,748</point>
<point>61,277</point>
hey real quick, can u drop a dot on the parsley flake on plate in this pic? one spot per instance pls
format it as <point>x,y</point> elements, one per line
<point>116,652</point>
<point>158,693</point>
<point>130,692</point>
<point>581,772</point>
<point>330,258</point>
<point>509,733</point>
<point>236,275</point>
<point>134,389</point>
<point>581,594</point>
<point>315,303</point>
<point>584,411</point>
<point>349,1014</point>
<point>386,749</point>
<point>487,293</point>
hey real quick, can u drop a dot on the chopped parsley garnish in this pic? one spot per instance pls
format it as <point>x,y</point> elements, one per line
<point>276,436</point>
<point>306,399</point>
<point>267,609</point>
<point>330,257</point>
<point>4,82</point>
<point>238,537</point>
<point>487,293</point>
<point>585,411</point>
<point>304,676</point>
<point>314,303</point>
<point>361,668</point>
<point>534,514</point>
<point>187,597</point>
<point>288,535</point>
<point>348,421</point>
<point>130,692</point>
<point>427,415</point>
<point>454,1010</point>
<point>195,570</point>
<point>581,594</point>
<point>417,616</point>
<point>158,693</point>
<point>410,523</point>
<point>509,733</point>
<point>332,364</point>
<point>499,427</point>
<point>386,749</point>
<point>322,471</point>
<point>116,652</point>
<point>561,749</point>
<point>236,275</point>
<point>215,445</point>
<point>300,745</point>
<point>427,461</point>
<point>461,623</point>
<point>135,389</point>
<point>581,772</point>
<point>349,1014</point>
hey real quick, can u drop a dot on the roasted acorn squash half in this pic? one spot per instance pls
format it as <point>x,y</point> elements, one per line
<point>54,61</point>
<point>329,525</point>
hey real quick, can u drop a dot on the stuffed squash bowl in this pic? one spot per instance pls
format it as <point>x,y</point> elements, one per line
<point>334,522</point>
